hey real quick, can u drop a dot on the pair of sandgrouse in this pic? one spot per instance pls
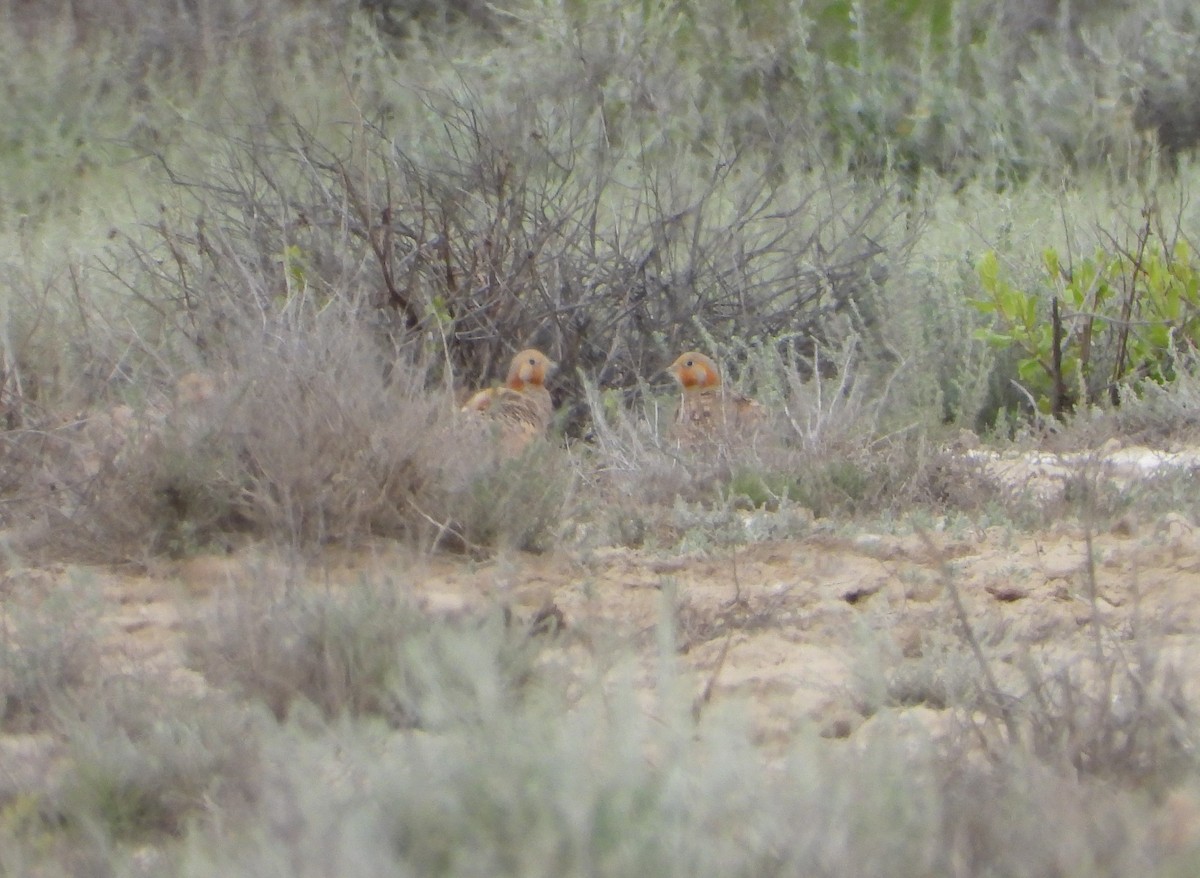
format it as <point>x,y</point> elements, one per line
<point>522,408</point>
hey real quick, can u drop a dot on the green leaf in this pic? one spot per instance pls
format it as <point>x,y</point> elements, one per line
<point>1156,275</point>
<point>1158,336</point>
<point>1074,293</point>
<point>1030,311</point>
<point>988,270</point>
<point>1030,370</point>
<point>1171,304</point>
<point>1006,299</point>
<point>441,311</point>
<point>1050,260</point>
<point>1183,253</point>
<point>995,339</point>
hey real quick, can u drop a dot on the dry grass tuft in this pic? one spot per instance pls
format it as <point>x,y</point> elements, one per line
<point>143,761</point>
<point>307,433</point>
<point>49,647</point>
<point>364,651</point>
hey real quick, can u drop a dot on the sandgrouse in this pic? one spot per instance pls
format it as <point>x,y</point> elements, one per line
<point>707,411</point>
<point>522,409</point>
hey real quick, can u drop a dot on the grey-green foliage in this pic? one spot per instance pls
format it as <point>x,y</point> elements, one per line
<point>519,502</point>
<point>604,789</point>
<point>497,762</point>
<point>49,646</point>
<point>363,651</point>
<point>142,759</point>
<point>958,87</point>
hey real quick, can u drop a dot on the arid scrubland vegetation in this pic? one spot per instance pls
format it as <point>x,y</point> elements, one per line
<point>271,604</point>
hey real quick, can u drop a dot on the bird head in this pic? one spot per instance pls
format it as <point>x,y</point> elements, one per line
<point>529,367</point>
<point>694,369</point>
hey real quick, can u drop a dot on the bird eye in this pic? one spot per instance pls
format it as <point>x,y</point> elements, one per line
<point>689,364</point>
<point>532,361</point>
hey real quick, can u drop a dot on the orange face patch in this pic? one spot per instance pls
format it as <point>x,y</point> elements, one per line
<point>694,369</point>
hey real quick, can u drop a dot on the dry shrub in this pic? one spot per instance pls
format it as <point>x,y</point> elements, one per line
<point>512,501</point>
<point>1114,720</point>
<point>308,431</point>
<point>474,239</point>
<point>144,760</point>
<point>1119,715</point>
<point>578,790</point>
<point>640,485</point>
<point>1117,711</point>
<point>402,19</point>
<point>941,676</point>
<point>334,289</point>
<point>827,444</point>
<point>277,645</point>
<point>836,443</point>
<point>335,437</point>
<point>845,479</point>
<point>362,651</point>
<point>197,36</point>
<point>630,466</point>
<point>194,39</point>
<point>157,489</point>
<point>849,446</point>
<point>1023,817</point>
<point>49,647</point>
<point>1157,415</point>
<point>339,437</point>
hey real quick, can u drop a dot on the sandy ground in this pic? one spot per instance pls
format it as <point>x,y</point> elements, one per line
<point>800,631</point>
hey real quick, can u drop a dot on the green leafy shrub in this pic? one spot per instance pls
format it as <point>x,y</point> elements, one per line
<point>1100,326</point>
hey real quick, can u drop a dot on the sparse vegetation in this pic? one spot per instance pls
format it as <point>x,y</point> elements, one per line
<point>366,653</point>
<point>257,251</point>
<point>141,760</point>
<point>49,646</point>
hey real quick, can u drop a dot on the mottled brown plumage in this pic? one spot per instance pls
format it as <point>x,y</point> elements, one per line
<point>522,409</point>
<point>707,411</point>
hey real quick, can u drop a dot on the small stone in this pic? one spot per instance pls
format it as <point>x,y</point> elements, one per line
<point>1174,526</point>
<point>1006,592</point>
<point>1177,827</point>
<point>923,590</point>
<point>840,723</point>
<point>1125,526</point>
<point>861,591</point>
<point>910,641</point>
<point>877,546</point>
<point>966,440</point>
